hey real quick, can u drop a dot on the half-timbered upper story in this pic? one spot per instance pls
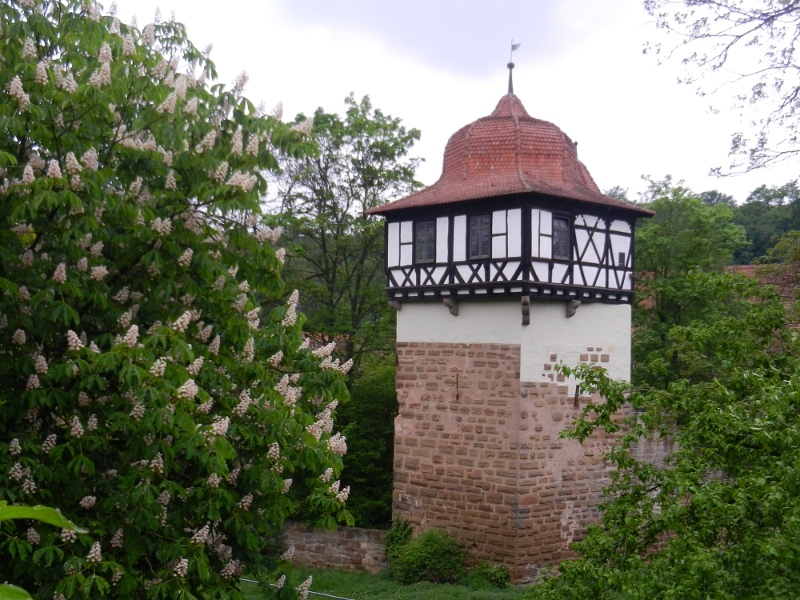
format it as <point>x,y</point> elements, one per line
<point>514,213</point>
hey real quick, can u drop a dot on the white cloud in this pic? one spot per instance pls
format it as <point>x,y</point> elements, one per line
<point>628,115</point>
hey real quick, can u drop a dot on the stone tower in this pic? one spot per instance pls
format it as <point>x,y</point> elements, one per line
<point>512,262</point>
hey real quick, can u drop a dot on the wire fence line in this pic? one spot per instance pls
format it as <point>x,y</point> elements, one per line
<point>309,591</point>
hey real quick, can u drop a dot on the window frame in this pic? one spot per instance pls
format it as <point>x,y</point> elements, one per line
<point>488,234</point>
<point>557,217</point>
<point>417,260</point>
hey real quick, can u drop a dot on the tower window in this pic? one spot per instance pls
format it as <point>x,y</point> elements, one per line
<point>425,241</point>
<point>480,236</point>
<point>561,242</point>
<point>621,259</point>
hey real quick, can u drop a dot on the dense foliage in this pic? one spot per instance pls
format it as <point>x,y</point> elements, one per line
<point>336,260</point>
<point>684,239</point>
<point>336,250</point>
<point>720,518</point>
<point>144,391</point>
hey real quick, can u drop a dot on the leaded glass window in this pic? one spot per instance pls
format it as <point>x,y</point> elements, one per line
<point>480,236</point>
<point>425,241</point>
<point>561,238</point>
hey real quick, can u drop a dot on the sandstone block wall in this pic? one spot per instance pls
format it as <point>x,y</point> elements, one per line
<point>478,453</point>
<point>349,548</point>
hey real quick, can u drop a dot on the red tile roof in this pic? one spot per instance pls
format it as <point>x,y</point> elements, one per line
<point>509,152</point>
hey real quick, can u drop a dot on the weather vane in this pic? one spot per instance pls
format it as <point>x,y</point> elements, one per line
<point>511,65</point>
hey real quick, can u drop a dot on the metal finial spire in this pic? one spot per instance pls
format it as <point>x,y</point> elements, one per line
<point>511,67</point>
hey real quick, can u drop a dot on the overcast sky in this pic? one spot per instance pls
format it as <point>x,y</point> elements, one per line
<point>440,64</point>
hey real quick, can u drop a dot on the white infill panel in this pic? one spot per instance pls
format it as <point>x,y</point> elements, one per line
<point>535,233</point>
<point>514,232</point>
<point>442,224</point>
<point>588,219</point>
<point>601,279</point>
<point>542,271</point>
<point>589,273</point>
<point>560,273</point>
<point>498,246</point>
<point>620,243</point>
<point>460,238</point>
<point>545,246</point>
<point>406,232</point>
<point>405,254</point>
<point>510,269</point>
<point>465,272</point>
<point>622,226</point>
<point>546,223</point>
<point>438,275</point>
<point>498,222</point>
<point>577,276</point>
<point>393,245</point>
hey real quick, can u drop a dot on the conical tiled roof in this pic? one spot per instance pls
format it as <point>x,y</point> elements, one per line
<point>509,152</point>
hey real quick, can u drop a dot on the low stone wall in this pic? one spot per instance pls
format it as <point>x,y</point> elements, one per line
<point>349,548</point>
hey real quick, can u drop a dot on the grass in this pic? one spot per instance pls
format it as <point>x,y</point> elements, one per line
<point>359,585</point>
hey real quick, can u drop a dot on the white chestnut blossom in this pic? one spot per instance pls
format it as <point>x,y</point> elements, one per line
<point>105,56</point>
<point>27,175</point>
<point>213,480</point>
<point>132,336</point>
<point>181,568</point>
<point>195,367</point>
<point>287,483</point>
<point>275,359</point>
<point>18,337</point>
<point>53,170</point>
<point>170,183</point>
<point>98,273</point>
<point>186,258</point>
<point>89,159</point>
<point>213,347</point>
<point>60,274</point>
<point>279,584</point>
<point>14,448</point>
<point>33,383</point>
<point>16,90</point>
<point>201,536</point>
<point>188,390</point>
<point>289,554</point>
<point>302,589</point>
<point>88,501</point>
<point>32,536</point>
<point>101,76</point>
<point>117,540</point>
<point>128,47</point>
<point>94,554</point>
<point>49,443</point>
<point>220,428</point>
<point>245,502</point>
<point>138,411</point>
<point>76,429</point>
<point>207,143</point>
<point>158,367</point>
<point>191,107</point>
<point>29,50</point>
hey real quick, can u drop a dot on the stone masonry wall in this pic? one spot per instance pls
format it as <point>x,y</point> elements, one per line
<point>349,548</point>
<point>478,454</point>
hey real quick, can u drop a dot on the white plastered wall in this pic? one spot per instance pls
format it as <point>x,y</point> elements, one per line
<point>606,328</point>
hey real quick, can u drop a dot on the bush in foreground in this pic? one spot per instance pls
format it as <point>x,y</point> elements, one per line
<point>433,556</point>
<point>144,390</point>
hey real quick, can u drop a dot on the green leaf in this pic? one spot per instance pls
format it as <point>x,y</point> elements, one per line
<point>12,592</point>
<point>45,514</point>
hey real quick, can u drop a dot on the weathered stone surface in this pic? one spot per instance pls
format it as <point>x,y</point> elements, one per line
<point>499,478</point>
<point>350,548</point>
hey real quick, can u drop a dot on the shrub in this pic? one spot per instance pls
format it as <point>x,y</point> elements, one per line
<point>495,576</point>
<point>153,385</point>
<point>433,556</point>
<point>397,538</point>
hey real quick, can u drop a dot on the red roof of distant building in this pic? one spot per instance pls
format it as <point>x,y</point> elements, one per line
<point>510,152</point>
